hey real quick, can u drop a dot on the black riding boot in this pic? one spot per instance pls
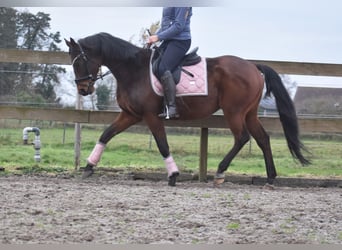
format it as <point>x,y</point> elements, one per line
<point>169,88</point>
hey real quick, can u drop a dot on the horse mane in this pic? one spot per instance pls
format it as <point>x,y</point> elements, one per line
<point>110,47</point>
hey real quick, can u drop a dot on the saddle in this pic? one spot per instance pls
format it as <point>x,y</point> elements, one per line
<point>189,59</point>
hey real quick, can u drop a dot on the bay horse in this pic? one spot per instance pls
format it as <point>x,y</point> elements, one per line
<point>235,85</point>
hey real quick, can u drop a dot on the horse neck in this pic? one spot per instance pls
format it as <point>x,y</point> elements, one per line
<point>126,70</point>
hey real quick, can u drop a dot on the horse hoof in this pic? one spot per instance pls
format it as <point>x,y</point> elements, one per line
<point>87,172</point>
<point>218,182</point>
<point>173,179</point>
<point>268,186</point>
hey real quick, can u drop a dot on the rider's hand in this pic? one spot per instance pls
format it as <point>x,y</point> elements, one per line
<point>153,39</point>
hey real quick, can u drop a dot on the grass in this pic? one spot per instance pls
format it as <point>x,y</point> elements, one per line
<point>233,226</point>
<point>340,235</point>
<point>138,150</point>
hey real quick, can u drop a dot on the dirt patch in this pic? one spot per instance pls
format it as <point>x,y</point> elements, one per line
<point>107,209</point>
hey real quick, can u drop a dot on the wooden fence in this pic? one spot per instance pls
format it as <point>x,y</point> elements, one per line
<point>307,124</point>
<point>271,123</point>
<point>294,68</point>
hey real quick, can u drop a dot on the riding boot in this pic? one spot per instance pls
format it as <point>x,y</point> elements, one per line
<point>169,88</point>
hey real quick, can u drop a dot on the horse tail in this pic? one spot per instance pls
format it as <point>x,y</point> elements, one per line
<point>286,110</point>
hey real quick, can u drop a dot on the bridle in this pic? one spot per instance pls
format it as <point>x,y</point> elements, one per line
<point>89,77</point>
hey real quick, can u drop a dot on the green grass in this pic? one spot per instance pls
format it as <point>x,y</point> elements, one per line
<point>233,225</point>
<point>138,150</point>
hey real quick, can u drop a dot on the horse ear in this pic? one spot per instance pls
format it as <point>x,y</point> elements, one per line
<point>67,42</point>
<point>70,43</point>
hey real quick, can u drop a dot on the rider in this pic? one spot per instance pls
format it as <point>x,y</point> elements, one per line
<point>176,36</point>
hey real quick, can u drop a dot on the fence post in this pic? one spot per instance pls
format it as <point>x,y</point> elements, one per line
<point>203,155</point>
<point>77,145</point>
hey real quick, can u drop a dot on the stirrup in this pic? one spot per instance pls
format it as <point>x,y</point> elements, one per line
<point>166,114</point>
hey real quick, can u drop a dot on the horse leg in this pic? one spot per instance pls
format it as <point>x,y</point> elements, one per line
<point>241,137</point>
<point>158,131</point>
<point>263,140</point>
<point>123,121</point>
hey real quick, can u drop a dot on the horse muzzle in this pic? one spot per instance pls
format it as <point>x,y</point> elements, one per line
<point>85,87</point>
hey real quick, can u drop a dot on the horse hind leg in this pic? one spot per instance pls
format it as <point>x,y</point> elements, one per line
<point>263,140</point>
<point>241,137</point>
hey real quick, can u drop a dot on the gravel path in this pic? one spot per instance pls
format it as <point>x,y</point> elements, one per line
<point>104,209</point>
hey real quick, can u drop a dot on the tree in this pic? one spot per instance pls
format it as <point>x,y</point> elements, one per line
<point>45,82</point>
<point>8,39</point>
<point>25,30</point>
<point>102,92</point>
<point>8,28</point>
<point>33,31</point>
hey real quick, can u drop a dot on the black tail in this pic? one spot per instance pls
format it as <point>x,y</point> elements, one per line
<point>286,110</point>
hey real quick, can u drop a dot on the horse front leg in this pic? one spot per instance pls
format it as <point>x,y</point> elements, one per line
<point>157,128</point>
<point>122,122</point>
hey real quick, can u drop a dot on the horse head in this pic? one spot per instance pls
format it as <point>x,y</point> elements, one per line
<point>85,67</point>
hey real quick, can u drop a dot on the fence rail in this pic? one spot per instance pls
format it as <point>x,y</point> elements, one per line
<point>271,123</point>
<point>307,124</point>
<point>282,67</point>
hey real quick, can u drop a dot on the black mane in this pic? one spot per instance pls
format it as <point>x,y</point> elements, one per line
<point>110,47</point>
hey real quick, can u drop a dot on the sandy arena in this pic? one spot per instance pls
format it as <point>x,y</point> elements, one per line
<point>104,209</point>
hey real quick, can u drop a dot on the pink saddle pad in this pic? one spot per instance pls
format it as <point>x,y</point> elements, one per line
<point>195,85</point>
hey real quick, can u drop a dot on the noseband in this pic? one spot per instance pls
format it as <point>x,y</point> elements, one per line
<point>89,77</point>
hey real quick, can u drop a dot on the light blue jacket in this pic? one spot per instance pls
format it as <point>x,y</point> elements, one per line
<point>175,24</point>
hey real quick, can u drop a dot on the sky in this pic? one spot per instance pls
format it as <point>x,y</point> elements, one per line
<point>291,30</point>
